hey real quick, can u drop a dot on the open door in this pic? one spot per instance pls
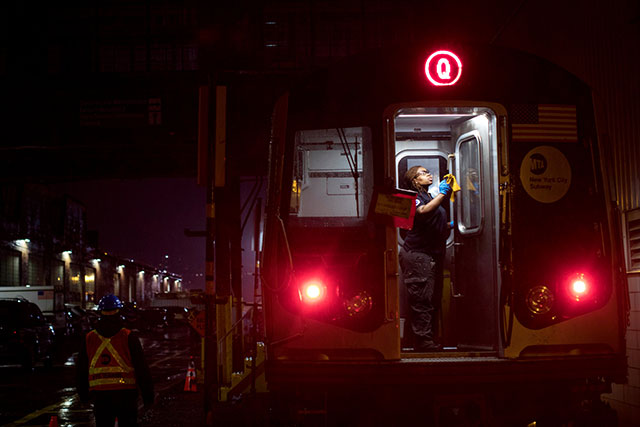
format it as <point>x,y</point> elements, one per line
<point>463,141</point>
<point>475,274</point>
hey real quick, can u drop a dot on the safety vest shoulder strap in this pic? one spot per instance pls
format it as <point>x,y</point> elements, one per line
<point>110,365</point>
<point>105,344</point>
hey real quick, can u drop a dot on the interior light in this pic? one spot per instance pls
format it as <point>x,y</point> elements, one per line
<point>425,116</point>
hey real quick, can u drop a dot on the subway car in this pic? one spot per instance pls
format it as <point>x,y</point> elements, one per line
<point>533,310</point>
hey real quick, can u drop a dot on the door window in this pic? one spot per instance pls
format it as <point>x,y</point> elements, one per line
<point>435,163</point>
<point>468,159</point>
<point>333,176</point>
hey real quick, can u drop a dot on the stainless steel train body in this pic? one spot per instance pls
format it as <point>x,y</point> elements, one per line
<point>531,297</point>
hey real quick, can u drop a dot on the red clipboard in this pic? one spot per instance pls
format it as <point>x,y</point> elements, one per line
<point>396,207</point>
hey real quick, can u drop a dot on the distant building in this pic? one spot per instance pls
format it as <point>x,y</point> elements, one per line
<point>48,256</point>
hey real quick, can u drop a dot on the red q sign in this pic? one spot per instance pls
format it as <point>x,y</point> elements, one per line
<point>443,68</point>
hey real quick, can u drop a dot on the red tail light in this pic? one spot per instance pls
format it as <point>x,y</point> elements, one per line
<point>579,287</point>
<point>312,291</point>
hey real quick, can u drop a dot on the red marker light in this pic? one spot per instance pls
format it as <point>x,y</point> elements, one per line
<point>312,291</point>
<point>443,68</point>
<point>579,287</point>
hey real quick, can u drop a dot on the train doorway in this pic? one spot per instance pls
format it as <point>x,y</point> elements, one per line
<point>462,141</point>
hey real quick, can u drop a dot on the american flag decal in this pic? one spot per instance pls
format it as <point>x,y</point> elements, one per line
<point>544,123</point>
<point>45,294</point>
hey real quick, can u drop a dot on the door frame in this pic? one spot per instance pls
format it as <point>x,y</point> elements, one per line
<point>497,137</point>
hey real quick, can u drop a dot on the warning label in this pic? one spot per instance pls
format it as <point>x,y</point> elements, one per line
<point>197,322</point>
<point>545,174</point>
<point>388,204</point>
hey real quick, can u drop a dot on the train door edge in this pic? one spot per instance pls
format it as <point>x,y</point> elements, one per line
<point>273,272</point>
<point>475,274</point>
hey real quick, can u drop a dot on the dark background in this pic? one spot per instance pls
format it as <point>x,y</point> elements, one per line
<point>82,85</point>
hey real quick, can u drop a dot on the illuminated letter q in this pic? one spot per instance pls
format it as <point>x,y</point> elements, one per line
<point>444,69</point>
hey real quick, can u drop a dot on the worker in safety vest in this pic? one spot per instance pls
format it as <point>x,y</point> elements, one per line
<point>111,368</point>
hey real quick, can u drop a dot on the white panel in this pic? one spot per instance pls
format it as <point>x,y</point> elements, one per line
<point>340,186</point>
<point>331,160</point>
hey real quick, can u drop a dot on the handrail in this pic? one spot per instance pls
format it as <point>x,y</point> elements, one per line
<point>232,328</point>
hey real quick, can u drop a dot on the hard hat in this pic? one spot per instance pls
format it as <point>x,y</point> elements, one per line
<point>109,302</point>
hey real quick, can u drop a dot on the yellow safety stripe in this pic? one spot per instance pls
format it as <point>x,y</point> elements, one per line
<point>109,369</point>
<point>107,381</point>
<point>98,352</point>
<point>106,343</point>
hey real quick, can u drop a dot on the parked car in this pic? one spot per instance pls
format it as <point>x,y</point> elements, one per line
<point>78,322</point>
<point>176,315</point>
<point>152,317</point>
<point>25,336</point>
<point>93,314</point>
<point>129,313</point>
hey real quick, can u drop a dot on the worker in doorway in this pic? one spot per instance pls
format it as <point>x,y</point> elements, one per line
<point>111,368</point>
<point>422,256</point>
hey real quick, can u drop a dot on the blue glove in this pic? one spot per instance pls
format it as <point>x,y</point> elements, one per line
<point>445,188</point>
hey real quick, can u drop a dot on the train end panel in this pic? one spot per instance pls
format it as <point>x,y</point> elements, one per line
<point>303,339</point>
<point>595,334</point>
<point>532,309</point>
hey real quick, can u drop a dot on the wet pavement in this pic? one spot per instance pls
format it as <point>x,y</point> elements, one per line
<point>47,396</point>
<point>175,407</point>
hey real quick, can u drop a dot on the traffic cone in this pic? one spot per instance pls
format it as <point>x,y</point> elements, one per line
<point>190,381</point>
<point>53,422</point>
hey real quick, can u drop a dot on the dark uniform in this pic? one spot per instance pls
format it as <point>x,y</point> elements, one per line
<point>421,260</point>
<point>110,369</point>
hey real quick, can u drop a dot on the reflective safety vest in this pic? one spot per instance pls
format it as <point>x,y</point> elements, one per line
<point>110,366</point>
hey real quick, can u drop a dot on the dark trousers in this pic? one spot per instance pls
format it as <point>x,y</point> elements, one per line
<point>112,404</point>
<point>422,277</point>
